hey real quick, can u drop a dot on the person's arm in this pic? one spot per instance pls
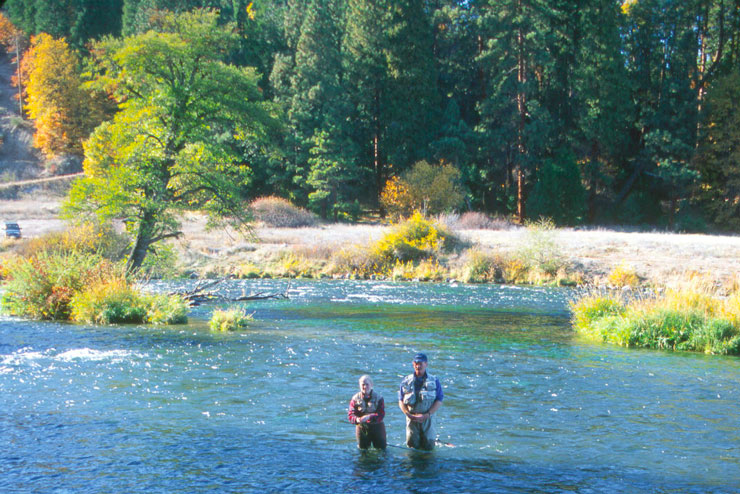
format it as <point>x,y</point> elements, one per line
<point>416,417</point>
<point>351,414</point>
<point>435,406</point>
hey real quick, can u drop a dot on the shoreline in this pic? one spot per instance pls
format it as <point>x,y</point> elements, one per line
<point>657,258</point>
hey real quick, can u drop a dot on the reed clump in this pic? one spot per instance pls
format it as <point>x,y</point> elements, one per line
<point>233,319</point>
<point>687,319</point>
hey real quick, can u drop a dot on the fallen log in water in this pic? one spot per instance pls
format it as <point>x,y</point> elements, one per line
<point>199,295</point>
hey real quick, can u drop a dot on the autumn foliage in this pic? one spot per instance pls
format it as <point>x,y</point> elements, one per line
<point>63,112</point>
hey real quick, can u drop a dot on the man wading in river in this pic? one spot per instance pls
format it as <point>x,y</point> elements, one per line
<point>419,397</point>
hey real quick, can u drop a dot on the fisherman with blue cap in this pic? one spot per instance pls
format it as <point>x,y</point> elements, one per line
<point>419,397</point>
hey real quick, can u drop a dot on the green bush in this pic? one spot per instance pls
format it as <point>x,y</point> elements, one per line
<point>480,268</point>
<point>42,286</point>
<point>431,189</point>
<point>83,287</point>
<point>540,249</point>
<point>232,319</point>
<point>112,301</point>
<point>167,309</point>
<point>117,301</point>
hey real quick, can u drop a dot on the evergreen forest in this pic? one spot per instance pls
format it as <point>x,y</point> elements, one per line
<point>603,112</point>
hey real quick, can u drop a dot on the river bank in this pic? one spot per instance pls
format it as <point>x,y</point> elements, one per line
<point>658,258</point>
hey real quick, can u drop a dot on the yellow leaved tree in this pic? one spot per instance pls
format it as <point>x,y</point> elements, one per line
<point>64,113</point>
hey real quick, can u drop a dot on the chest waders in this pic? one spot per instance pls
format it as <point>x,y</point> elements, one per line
<point>365,433</point>
<point>419,435</point>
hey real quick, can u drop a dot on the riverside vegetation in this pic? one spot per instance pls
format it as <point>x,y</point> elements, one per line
<point>416,248</point>
<point>689,318</point>
<point>79,275</point>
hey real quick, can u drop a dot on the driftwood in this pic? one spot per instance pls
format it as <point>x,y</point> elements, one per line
<point>199,295</point>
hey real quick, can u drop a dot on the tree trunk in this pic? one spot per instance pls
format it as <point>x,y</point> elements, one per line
<point>141,245</point>
<point>521,104</point>
<point>20,75</point>
<point>377,163</point>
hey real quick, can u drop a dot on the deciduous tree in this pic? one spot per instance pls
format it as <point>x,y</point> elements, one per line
<point>174,144</point>
<point>63,112</point>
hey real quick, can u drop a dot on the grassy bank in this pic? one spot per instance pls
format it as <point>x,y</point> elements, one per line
<point>688,319</point>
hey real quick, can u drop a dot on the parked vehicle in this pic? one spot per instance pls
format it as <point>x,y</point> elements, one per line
<point>12,230</point>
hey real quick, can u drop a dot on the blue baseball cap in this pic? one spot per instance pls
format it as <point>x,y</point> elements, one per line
<point>420,357</point>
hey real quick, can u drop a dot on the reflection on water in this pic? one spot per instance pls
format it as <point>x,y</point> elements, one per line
<point>528,406</point>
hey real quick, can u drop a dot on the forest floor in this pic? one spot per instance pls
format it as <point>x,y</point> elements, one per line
<point>660,259</point>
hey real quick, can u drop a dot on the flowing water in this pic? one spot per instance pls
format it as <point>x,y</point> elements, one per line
<point>529,407</point>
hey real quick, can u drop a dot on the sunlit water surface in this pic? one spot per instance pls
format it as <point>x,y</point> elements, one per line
<point>529,407</point>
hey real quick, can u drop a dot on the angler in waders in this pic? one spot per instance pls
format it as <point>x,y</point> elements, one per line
<point>419,398</point>
<point>366,411</point>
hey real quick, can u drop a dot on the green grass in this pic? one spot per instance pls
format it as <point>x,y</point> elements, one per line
<point>233,319</point>
<point>685,320</point>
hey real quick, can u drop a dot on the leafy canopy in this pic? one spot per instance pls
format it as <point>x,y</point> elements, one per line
<point>184,114</point>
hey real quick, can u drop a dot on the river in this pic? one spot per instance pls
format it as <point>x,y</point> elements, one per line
<point>529,406</point>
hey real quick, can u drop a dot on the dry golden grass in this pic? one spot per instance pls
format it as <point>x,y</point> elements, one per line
<point>660,259</point>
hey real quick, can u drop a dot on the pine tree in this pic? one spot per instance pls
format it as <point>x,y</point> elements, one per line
<point>516,62</point>
<point>718,157</point>
<point>78,21</point>
<point>388,54</point>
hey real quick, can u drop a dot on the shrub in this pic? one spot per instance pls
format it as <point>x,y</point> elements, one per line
<point>515,271</point>
<point>248,270</point>
<point>414,239</point>
<point>90,238</point>
<point>426,270</point>
<point>229,320</point>
<point>540,249</point>
<point>359,261</point>
<point>428,188</point>
<point>623,276</point>
<point>280,213</point>
<point>480,268</point>
<point>473,220</point>
<point>109,301</point>
<point>83,287</point>
<point>396,198</point>
<point>594,306</point>
<point>430,270</point>
<point>292,265</point>
<point>167,309</point>
<point>42,286</point>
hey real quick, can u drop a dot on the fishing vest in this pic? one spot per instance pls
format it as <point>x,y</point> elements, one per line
<point>363,407</point>
<point>427,394</point>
